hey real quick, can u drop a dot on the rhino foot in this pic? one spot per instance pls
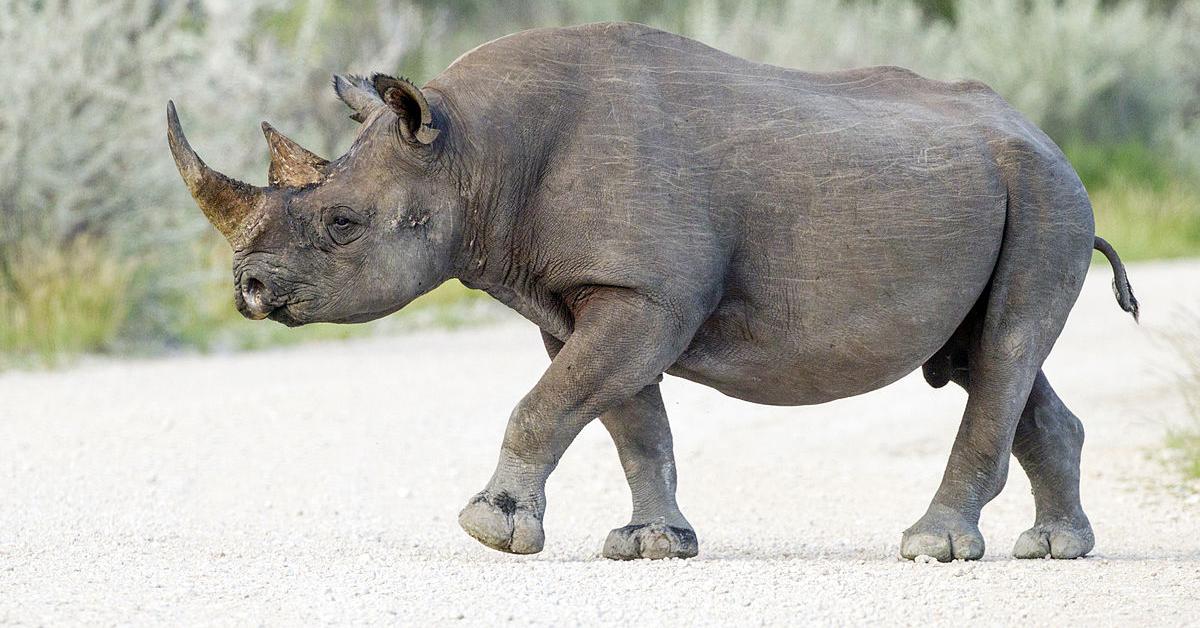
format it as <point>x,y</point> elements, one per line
<point>944,534</point>
<point>651,540</point>
<point>1056,539</point>
<point>500,522</point>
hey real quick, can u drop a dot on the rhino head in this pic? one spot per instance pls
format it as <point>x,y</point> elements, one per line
<point>344,241</point>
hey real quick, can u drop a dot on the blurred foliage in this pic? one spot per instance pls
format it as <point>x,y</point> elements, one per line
<point>58,302</point>
<point>1144,201</point>
<point>1149,222</point>
<point>1186,444</point>
<point>92,213</point>
<point>1103,165</point>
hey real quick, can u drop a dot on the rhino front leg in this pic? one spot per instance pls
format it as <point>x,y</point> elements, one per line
<point>657,529</point>
<point>621,343</point>
<point>642,434</point>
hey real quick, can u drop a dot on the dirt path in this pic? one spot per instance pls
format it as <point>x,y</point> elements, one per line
<point>322,484</point>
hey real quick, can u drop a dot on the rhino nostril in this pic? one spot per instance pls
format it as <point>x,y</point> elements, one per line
<point>254,293</point>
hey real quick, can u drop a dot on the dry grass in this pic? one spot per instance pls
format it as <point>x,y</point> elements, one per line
<point>1184,440</point>
<point>1147,221</point>
<point>58,302</point>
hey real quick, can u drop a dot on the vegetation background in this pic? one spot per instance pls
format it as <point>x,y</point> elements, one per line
<point>102,250</point>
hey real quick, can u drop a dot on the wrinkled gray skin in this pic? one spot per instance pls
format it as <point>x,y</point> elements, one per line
<point>655,205</point>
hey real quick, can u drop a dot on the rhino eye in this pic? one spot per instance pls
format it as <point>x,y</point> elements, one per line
<point>343,225</point>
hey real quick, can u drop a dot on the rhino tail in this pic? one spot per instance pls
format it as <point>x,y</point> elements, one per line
<point>1121,287</point>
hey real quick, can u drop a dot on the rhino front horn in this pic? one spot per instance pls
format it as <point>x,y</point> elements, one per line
<point>225,202</point>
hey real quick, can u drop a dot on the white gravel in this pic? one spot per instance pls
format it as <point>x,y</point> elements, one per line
<point>322,484</point>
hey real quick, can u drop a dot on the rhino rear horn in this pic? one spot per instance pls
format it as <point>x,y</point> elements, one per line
<point>226,202</point>
<point>291,164</point>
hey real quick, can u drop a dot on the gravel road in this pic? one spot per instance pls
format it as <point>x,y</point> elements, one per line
<point>321,484</point>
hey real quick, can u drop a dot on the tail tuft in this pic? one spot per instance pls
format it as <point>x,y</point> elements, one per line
<point>1121,286</point>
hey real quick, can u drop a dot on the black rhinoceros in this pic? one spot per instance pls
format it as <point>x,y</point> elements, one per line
<point>655,205</point>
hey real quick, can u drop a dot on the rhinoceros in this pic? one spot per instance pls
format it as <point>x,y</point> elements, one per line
<point>657,206</point>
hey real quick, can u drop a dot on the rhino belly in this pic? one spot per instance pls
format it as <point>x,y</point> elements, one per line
<point>781,366</point>
<point>812,324</point>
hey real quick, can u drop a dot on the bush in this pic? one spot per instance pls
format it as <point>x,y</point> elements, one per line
<point>1143,202</point>
<point>1186,444</point>
<point>57,302</point>
<point>1100,165</point>
<point>85,175</point>
<point>1148,222</point>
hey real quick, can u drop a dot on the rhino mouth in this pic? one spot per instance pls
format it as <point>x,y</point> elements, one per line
<point>282,315</point>
<point>296,314</point>
<point>364,317</point>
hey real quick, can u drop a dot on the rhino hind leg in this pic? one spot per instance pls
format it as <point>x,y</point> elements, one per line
<point>1043,259</point>
<point>998,384</point>
<point>1048,444</point>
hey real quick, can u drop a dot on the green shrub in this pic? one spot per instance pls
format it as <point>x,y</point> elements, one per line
<point>1100,165</point>
<point>1146,222</point>
<point>60,302</point>
<point>1144,204</point>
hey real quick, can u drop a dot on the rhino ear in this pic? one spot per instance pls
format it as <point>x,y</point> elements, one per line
<point>359,94</point>
<point>410,105</point>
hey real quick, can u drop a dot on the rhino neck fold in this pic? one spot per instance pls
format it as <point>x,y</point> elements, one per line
<point>499,157</point>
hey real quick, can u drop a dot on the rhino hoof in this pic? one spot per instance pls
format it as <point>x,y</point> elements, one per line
<point>499,522</point>
<point>1060,539</point>
<point>651,540</point>
<point>943,534</point>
